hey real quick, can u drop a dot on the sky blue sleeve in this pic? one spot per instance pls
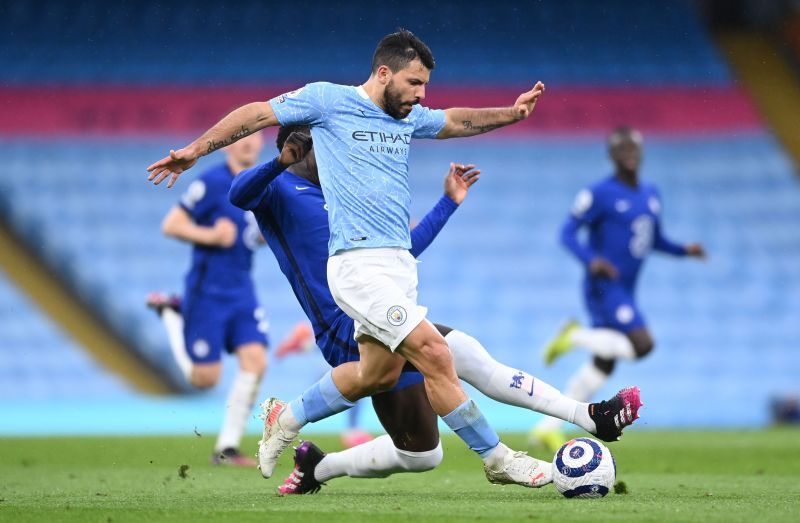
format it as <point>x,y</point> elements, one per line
<point>304,106</point>
<point>585,210</point>
<point>251,185</point>
<point>426,230</point>
<point>427,122</point>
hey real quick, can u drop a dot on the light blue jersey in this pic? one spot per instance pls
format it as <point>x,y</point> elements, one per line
<point>362,157</point>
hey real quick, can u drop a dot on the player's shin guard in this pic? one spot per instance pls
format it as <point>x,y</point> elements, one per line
<point>238,407</point>
<point>510,386</point>
<point>468,423</point>
<point>321,400</point>
<point>378,458</point>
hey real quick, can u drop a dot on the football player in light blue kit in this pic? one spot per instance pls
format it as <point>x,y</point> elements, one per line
<point>623,217</point>
<point>362,138</point>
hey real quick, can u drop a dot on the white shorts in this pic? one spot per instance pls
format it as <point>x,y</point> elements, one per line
<point>377,288</point>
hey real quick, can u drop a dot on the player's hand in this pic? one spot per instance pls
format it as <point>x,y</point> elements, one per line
<point>224,233</point>
<point>295,149</point>
<point>174,164</point>
<point>524,105</point>
<point>696,250</point>
<point>603,268</point>
<point>458,181</point>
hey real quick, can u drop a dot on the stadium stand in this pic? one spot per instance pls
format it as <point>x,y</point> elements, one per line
<point>497,271</point>
<point>39,362</point>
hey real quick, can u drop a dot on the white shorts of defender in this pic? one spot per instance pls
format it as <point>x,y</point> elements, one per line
<point>377,288</point>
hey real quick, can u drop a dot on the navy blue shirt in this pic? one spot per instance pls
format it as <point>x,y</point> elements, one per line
<point>217,271</point>
<point>293,217</point>
<point>624,225</point>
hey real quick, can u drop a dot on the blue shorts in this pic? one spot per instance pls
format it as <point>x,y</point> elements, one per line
<point>338,346</point>
<point>611,305</point>
<point>213,324</point>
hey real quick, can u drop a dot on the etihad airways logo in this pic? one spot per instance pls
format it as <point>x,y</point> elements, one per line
<point>380,137</point>
<point>386,143</point>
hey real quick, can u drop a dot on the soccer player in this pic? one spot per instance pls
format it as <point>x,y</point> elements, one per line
<point>362,137</point>
<point>623,217</point>
<point>219,310</point>
<point>291,211</point>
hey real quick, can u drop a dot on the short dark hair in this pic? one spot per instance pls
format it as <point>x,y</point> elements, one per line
<point>399,49</point>
<point>285,131</point>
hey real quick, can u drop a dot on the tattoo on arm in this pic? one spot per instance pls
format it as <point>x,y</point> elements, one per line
<point>214,145</point>
<point>478,129</point>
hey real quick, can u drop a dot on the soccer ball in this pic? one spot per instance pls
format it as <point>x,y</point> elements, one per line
<point>584,468</point>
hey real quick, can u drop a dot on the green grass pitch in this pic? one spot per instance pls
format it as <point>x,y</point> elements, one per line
<point>670,476</point>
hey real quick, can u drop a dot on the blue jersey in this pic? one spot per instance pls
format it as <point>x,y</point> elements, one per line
<point>215,271</point>
<point>624,226</point>
<point>293,217</point>
<point>362,157</point>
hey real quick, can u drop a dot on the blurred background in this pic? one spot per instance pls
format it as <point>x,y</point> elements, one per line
<point>93,92</point>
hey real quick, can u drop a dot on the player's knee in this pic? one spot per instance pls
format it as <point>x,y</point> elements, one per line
<point>252,358</point>
<point>376,382</point>
<point>421,461</point>
<point>605,366</point>
<point>205,377</point>
<point>435,357</point>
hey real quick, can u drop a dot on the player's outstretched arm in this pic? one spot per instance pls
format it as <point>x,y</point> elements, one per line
<point>247,189</point>
<point>456,185</point>
<point>241,122</point>
<point>462,122</point>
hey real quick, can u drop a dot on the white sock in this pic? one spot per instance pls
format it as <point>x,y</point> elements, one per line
<point>581,387</point>
<point>511,386</point>
<point>606,343</point>
<point>173,322</point>
<point>378,458</point>
<point>238,407</point>
<point>497,458</point>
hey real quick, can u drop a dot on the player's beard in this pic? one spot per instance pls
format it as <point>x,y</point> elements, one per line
<point>393,102</point>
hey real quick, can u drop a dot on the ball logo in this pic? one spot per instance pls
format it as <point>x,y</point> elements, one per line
<point>576,452</point>
<point>201,348</point>
<point>396,315</point>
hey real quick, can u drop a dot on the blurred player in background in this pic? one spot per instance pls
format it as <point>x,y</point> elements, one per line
<point>288,203</point>
<point>623,217</point>
<point>219,310</point>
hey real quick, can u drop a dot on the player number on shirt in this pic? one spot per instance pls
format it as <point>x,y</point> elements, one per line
<point>642,239</point>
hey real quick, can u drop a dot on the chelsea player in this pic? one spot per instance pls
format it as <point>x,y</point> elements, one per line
<point>623,217</point>
<point>220,311</point>
<point>362,137</point>
<point>291,211</point>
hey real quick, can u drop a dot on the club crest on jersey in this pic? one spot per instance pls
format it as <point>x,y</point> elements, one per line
<point>200,348</point>
<point>396,315</point>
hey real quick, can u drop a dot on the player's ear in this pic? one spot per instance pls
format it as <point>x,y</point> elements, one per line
<point>383,74</point>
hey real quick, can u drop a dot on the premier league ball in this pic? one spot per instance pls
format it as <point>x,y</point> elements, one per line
<point>584,468</point>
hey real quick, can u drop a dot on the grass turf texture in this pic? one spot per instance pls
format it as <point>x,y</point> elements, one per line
<point>669,476</point>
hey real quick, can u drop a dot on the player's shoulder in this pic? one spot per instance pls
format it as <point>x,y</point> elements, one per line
<point>326,88</point>
<point>216,174</point>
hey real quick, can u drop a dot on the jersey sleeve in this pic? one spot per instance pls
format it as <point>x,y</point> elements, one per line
<point>426,230</point>
<point>661,242</point>
<point>305,106</point>
<point>428,123</point>
<point>199,200</point>
<point>586,209</point>
<point>252,186</point>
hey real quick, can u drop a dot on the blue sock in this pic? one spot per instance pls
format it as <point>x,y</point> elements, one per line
<point>468,422</point>
<point>319,401</point>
